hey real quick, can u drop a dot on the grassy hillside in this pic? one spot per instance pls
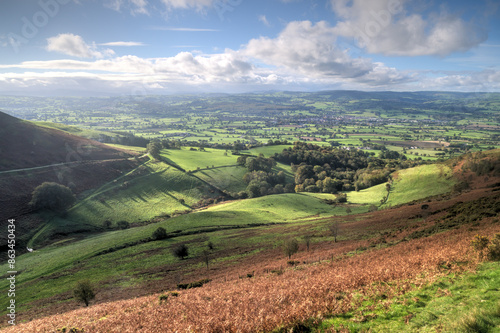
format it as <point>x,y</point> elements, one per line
<point>26,145</point>
<point>229,178</point>
<point>408,185</point>
<point>420,182</point>
<point>193,159</point>
<point>248,235</point>
<point>151,190</point>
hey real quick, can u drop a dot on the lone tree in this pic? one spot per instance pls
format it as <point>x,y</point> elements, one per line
<point>159,234</point>
<point>84,292</point>
<point>52,196</point>
<point>181,251</point>
<point>307,240</point>
<point>334,230</point>
<point>290,247</point>
<point>205,255</point>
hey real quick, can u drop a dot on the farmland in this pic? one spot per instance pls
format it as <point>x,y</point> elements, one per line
<point>421,125</point>
<point>382,201</point>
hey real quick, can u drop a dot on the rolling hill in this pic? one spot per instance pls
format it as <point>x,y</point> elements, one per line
<point>27,145</point>
<point>32,154</point>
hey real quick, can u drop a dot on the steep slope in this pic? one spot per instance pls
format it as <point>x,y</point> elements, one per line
<point>26,145</point>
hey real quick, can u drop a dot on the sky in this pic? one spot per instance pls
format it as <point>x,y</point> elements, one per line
<point>145,47</point>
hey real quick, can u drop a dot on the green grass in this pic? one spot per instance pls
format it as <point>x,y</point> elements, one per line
<point>152,190</point>
<point>191,160</point>
<point>84,132</point>
<point>466,303</point>
<point>268,151</point>
<point>371,195</point>
<point>54,269</point>
<point>227,178</point>
<point>420,182</point>
<point>409,185</point>
<point>133,148</point>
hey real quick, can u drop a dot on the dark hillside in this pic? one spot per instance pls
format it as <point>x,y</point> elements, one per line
<point>26,145</point>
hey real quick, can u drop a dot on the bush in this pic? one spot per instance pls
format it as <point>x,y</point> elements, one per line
<point>84,292</point>
<point>159,234</point>
<point>290,247</point>
<point>123,225</point>
<point>181,251</point>
<point>192,285</point>
<point>107,224</point>
<point>163,298</point>
<point>479,243</point>
<point>52,196</point>
<point>494,248</point>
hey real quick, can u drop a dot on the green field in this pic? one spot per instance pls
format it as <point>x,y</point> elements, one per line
<point>229,178</point>
<point>420,182</point>
<point>191,160</point>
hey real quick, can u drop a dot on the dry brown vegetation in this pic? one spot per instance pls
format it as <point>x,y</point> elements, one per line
<point>380,257</point>
<point>273,300</point>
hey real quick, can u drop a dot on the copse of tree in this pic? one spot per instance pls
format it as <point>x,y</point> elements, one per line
<point>260,164</point>
<point>154,149</point>
<point>52,196</point>
<point>329,170</point>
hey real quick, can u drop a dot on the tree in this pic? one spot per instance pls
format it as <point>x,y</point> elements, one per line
<point>181,251</point>
<point>290,247</point>
<point>84,292</point>
<point>52,196</point>
<point>206,257</point>
<point>159,234</point>
<point>307,240</point>
<point>123,225</point>
<point>107,224</point>
<point>334,230</point>
<point>154,149</point>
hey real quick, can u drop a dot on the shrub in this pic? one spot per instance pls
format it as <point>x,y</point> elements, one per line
<point>163,298</point>
<point>84,292</point>
<point>123,225</point>
<point>70,330</point>
<point>181,251</point>
<point>290,247</point>
<point>52,196</point>
<point>192,285</point>
<point>494,248</point>
<point>479,243</point>
<point>159,234</point>
<point>107,224</point>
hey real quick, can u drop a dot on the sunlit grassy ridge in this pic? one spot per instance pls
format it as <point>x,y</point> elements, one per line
<point>420,182</point>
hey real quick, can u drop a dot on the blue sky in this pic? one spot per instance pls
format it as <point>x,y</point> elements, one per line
<point>188,46</point>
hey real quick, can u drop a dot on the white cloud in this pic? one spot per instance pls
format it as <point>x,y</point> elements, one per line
<point>188,4</point>
<point>135,6</point>
<point>264,20</point>
<point>310,49</point>
<point>184,29</point>
<point>121,43</point>
<point>75,46</point>
<point>383,26</point>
